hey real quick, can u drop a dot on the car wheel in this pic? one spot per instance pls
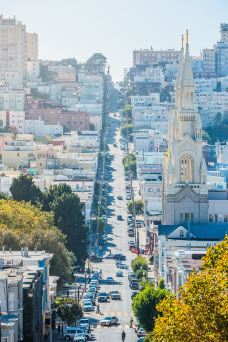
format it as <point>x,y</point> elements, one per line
<point>68,338</point>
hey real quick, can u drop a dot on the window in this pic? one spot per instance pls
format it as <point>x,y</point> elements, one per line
<point>181,233</point>
<point>186,165</point>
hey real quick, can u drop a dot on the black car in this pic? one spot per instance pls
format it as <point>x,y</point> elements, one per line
<point>134,285</point>
<point>120,257</point>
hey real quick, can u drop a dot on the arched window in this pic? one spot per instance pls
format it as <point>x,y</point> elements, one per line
<point>186,169</point>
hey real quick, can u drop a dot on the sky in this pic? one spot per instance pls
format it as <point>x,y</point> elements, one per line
<point>79,28</point>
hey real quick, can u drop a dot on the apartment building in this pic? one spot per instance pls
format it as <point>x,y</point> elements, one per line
<point>13,47</point>
<point>150,56</point>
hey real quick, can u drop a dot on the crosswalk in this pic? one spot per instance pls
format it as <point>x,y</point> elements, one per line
<point>120,327</point>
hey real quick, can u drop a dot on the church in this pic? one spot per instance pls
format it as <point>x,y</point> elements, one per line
<point>185,191</point>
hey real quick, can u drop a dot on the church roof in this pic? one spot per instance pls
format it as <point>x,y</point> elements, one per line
<point>208,232</point>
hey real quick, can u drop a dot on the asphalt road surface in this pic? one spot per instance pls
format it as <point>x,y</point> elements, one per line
<point>117,241</point>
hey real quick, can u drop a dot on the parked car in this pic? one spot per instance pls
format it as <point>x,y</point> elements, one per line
<point>109,320</point>
<point>134,293</point>
<point>86,332</point>
<point>141,332</point>
<point>70,333</point>
<point>88,307</point>
<point>134,285</point>
<point>115,295</point>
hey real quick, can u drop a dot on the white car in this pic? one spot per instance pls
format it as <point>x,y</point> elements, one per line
<point>88,307</point>
<point>75,334</point>
<point>109,320</point>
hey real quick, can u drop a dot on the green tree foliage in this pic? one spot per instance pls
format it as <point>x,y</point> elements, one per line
<point>144,305</point>
<point>139,263</point>
<point>54,192</point>
<point>129,163</point>
<point>127,112</point>
<point>22,224</point>
<point>68,309</point>
<point>24,189</point>
<point>68,217</point>
<point>126,129</point>
<point>138,207</point>
<point>200,313</point>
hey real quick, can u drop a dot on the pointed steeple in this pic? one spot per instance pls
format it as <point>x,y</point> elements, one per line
<point>179,72</point>
<point>186,79</point>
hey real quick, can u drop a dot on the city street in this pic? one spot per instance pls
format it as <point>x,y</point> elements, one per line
<point>117,242</point>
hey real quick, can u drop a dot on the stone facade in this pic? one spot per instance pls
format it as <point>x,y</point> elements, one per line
<point>185,193</point>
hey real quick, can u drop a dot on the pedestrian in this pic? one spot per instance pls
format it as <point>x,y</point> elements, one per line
<point>123,335</point>
<point>62,329</point>
<point>98,309</point>
<point>131,322</point>
<point>59,329</point>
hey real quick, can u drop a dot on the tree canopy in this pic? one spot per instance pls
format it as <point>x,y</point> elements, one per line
<point>24,189</point>
<point>68,217</point>
<point>145,303</point>
<point>22,224</point>
<point>138,207</point>
<point>129,163</point>
<point>68,309</point>
<point>200,313</point>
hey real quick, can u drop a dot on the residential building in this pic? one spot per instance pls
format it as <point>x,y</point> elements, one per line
<point>11,99</point>
<point>209,59</point>
<point>12,51</point>
<point>178,249</point>
<point>11,296</point>
<point>32,47</point>
<point>150,56</point>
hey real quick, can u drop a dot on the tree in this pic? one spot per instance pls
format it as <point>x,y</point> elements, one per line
<point>201,312</point>
<point>129,163</point>
<point>144,305</point>
<point>126,129</point>
<point>34,229</point>
<point>68,217</point>
<point>68,309</point>
<point>139,263</point>
<point>54,192</point>
<point>138,207</point>
<point>24,189</point>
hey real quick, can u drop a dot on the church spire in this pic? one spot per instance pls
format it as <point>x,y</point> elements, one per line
<point>187,79</point>
<point>179,72</point>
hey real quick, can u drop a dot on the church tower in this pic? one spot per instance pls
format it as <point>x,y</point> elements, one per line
<point>185,193</point>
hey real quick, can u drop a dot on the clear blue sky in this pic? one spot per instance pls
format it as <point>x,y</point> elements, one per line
<point>78,28</point>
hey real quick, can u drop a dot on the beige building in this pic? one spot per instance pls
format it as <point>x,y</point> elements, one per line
<point>32,46</point>
<point>12,51</point>
<point>185,192</point>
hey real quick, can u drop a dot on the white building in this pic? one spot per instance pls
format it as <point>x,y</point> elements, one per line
<point>40,129</point>
<point>11,99</point>
<point>185,192</point>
